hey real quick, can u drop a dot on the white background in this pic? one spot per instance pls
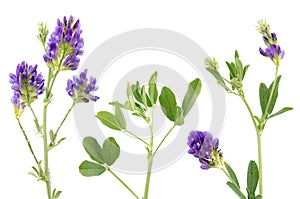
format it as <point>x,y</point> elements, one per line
<point>219,27</point>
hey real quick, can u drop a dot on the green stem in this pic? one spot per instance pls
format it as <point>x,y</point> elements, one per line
<point>250,111</point>
<point>149,171</point>
<point>122,182</point>
<point>65,117</point>
<point>260,164</point>
<point>52,83</point>
<point>46,160</point>
<point>259,153</point>
<point>28,142</point>
<point>150,157</point>
<point>164,139</point>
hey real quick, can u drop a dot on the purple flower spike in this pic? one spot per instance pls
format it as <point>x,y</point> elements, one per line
<point>27,84</point>
<point>273,50</point>
<point>204,147</point>
<point>65,43</point>
<point>80,89</point>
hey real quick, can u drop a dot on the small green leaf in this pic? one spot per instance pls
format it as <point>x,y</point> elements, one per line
<point>245,70</point>
<point>275,94</point>
<point>168,103</point>
<point>236,190</point>
<point>119,116</point>
<point>152,89</point>
<point>52,136</point>
<point>110,151</point>
<point>191,95</point>
<point>89,169</point>
<point>252,177</point>
<point>56,194</point>
<point>108,119</point>
<point>130,97</point>
<point>136,90</point>
<point>60,140</point>
<point>231,67</point>
<point>239,68</point>
<point>232,175</point>
<point>145,98</point>
<point>179,116</point>
<point>93,148</point>
<point>124,106</point>
<point>258,197</point>
<point>236,54</point>
<point>263,97</point>
<point>283,110</point>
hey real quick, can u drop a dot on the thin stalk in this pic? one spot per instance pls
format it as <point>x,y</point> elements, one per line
<point>52,83</point>
<point>28,142</point>
<point>164,139</point>
<point>150,158</point>
<point>259,151</point>
<point>250,112</point>
<point>225,172</point>
<point>122,182</point>
<point>260,164</point>
<point>65,117</point>
<point>149,171</point>
<point>46,160</point>
<point>35,118</point>
<point>135,136</point>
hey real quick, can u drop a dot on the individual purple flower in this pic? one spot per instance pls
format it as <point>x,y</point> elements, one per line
<point>27,84</point>
<point>18,105</point>
<point>80,88</point>
<point>65,45</point>
<point>204,147</point>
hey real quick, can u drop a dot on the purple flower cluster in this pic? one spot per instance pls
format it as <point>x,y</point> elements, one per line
<point>204,147</point>
<point>80,89</point>
<point>27,84</point>
<point>273,50</point>
<point>65,43</point>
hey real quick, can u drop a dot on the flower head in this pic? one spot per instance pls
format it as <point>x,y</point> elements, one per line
<point>273,50</point>
<point>65,45</point>
<point>211,62</point>
<point>80,88</point>
<point>27,85</point>
<point>204,147</point>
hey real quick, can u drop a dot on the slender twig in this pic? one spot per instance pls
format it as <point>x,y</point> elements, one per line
<point>164,139</point>
<point>65,117</point>
<point>135,136</point>
<point>122,182</point>
<point>27,140</point>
